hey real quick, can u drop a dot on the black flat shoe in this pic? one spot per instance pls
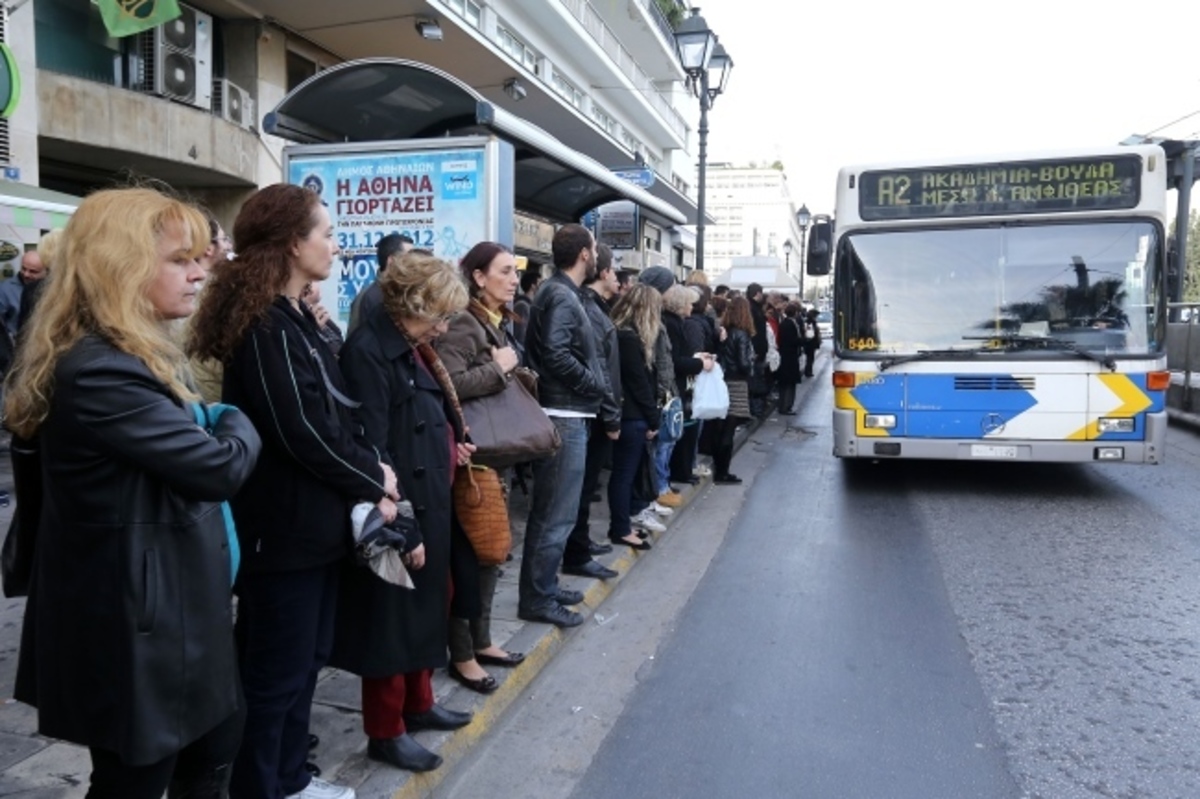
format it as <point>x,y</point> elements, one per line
<point>565,597</point>
<point>643,545</point>
<point>511,659</point>
<point>727,479</point>
<point>402,752</point>
<point>484,685</point>
<point>436,718</point>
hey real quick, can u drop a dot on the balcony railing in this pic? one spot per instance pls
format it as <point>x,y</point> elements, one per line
<point>594,24</point>
<point>660,22</point>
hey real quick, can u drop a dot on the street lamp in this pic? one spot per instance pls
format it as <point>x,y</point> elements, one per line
<point>707,66</point>
<point>787,256</point>
<point>803,218</point>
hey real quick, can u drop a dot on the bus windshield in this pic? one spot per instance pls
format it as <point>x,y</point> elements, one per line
<point>1088,285</point>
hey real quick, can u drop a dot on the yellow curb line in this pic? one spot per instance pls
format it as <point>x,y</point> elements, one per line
<point>458,745</point>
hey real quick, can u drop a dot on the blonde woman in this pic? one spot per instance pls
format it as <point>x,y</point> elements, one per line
<point>127,646</point>
<point>393,637</point>
<point>637,317</point>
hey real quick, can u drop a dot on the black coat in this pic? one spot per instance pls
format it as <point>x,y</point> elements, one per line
<point>789,351</point>
<point>294,512</point>
<point>737,355</point>
<point>682,356</point>
<point>637,380</point>
<point>128,638</point>
<point>383,630</point>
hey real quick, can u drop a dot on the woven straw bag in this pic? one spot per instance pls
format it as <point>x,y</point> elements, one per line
<point>481,505</point>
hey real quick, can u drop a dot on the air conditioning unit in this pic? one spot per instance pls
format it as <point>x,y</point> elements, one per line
<point>234,104</point>
<point>176,59</point>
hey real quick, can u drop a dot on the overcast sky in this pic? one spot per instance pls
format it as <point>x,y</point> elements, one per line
<point>824,85</point>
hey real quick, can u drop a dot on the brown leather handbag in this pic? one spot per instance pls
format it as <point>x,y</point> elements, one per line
<point>481,505</point>
<point>509,427</point>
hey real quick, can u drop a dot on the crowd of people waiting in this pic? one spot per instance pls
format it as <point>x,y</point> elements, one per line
<point>205,430</point>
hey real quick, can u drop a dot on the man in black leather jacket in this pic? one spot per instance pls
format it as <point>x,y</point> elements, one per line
<point>596,294</point>
<point>560,345</point>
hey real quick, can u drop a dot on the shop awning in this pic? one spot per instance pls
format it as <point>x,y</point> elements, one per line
<point>384,99</point>
<point>27,206</point>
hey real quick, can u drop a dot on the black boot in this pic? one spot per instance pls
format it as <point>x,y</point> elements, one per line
<point>211,784</point>
<point>403,752</point>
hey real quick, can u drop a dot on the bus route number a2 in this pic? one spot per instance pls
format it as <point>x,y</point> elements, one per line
<point>893,191</point>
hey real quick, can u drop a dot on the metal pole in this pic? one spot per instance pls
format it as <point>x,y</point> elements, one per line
<point>704,101</point>
<point>1183,217</point>
<point>803,261</point>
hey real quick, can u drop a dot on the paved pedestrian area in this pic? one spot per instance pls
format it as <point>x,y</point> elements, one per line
<point>34,767</point>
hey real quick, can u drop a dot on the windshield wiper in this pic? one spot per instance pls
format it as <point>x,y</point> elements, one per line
<point>1015,341</point>
<point>927,355</point>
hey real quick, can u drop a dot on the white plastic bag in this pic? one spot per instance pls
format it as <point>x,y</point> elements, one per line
<point>710,399</point>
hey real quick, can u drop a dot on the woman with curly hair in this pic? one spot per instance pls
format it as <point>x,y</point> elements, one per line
<point>127,646</point>
<point>293,515</point>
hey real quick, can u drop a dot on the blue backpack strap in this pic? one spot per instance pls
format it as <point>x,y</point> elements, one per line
<point>235,550</point>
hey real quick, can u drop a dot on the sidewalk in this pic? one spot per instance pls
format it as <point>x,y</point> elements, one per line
<point>34,767</point>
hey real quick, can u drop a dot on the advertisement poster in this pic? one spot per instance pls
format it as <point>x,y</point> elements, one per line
<point>436,197</point>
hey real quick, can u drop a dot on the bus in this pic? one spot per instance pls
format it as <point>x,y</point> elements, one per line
<point>1001,309</point>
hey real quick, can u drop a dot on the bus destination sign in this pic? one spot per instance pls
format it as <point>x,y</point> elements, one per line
<point>1012,187</point>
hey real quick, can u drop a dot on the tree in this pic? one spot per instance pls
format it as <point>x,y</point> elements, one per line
<point>1191,268</point>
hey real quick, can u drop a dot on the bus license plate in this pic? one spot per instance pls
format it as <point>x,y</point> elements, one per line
<point>992,451</point>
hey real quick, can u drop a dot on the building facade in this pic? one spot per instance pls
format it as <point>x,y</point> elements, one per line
<point>184,102</point>
<point>755,216</point>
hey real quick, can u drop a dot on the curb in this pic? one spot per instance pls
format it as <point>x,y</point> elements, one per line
<point>456,746</point>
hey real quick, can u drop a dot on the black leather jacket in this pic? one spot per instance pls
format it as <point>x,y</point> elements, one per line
<point>737,355</point>
<point>606,337</point>
<point>560,345</point>
<point>127,644</point>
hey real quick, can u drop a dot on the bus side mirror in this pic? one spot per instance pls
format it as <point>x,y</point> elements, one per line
<point>820,247</point>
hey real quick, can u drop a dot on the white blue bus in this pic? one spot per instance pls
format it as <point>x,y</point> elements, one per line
<point>1001,309</point>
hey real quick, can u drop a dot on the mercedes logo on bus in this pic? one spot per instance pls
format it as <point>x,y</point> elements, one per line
<point>992,423</point>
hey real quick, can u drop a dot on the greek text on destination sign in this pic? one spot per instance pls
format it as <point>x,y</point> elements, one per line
<point>1014,187</point>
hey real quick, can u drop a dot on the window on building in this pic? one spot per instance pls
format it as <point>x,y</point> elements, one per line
<point>653,238</point>
<point>515,47</point>
<point>604,119</point>
<point>467,9</point>
<point>70,39</point>
<point>299,69</point>
<point>567,90</point>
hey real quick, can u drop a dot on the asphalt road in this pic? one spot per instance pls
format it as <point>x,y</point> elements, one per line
<point>893,630</point>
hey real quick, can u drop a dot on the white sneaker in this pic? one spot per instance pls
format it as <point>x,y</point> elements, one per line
<point>319,789</point>
<point>646,520</point>
<point>661,510</point>
<point>702,471</point>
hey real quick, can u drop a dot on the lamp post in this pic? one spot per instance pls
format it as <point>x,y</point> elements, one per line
<point>787,256</point>
<point>707,66</point>
<point>803,218</point>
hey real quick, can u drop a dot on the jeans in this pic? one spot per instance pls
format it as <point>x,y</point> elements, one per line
<point>599,451</point>
<point>557,483</point>
<point>628,451</point>
<point>662,465</point>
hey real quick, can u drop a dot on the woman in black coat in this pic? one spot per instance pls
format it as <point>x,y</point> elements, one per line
<point>788,374</point>
<point>293,515</point>
<point>737,361</point>
<point>395,637</point>
<point>127,646</point>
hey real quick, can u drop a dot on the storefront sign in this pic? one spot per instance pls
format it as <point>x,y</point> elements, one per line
<point>617,225</point>
<point>532,234</point>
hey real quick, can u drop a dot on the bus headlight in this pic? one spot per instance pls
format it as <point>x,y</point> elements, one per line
<point>884,421</point>
<point>1111,425</point>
